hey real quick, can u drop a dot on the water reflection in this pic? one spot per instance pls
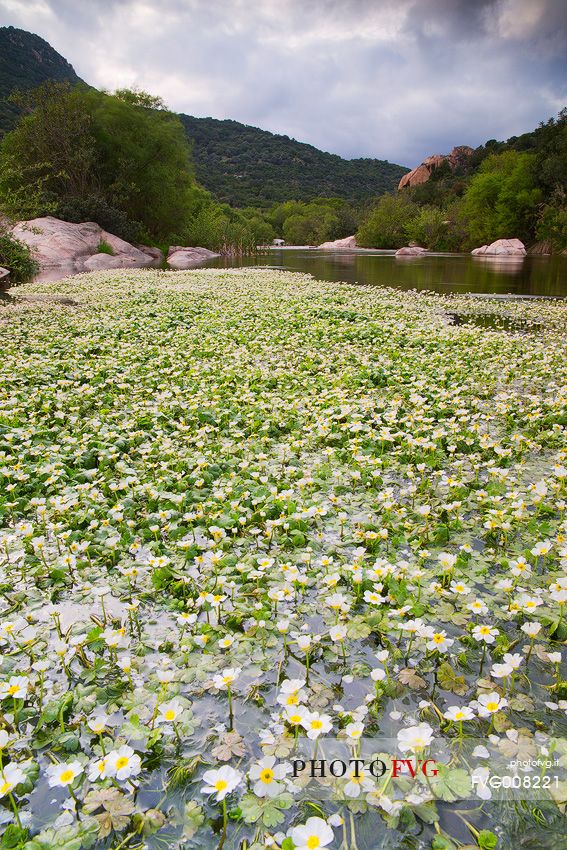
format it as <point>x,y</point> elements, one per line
<point>439,272</point>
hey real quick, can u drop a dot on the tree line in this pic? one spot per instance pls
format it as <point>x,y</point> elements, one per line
<point>124,161</point>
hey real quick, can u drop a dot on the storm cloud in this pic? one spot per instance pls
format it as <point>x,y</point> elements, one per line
<point>395,79</point>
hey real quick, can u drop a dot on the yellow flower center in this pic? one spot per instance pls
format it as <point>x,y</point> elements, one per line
<point>313,842</point>
<point>295,718</point>
<point>438,638</point>
<point>4,788</point>
<point>292,699</point>
<point>267,776</point>
<point>491,706</point>
<point>170,714</point>
<point>316,724</point>
<point>13,689</point>
<point>221,784</point>
<point>121,762</point>
<point>66,776</point>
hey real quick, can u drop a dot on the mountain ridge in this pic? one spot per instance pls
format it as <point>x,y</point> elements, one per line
<point>240,164</point>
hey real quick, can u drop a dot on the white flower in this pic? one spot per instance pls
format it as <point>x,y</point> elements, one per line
<point>226,677</point>
<point>554,657</point>
<point>97,723</point>
<point>266,775</point>
<point>16,687</point>
<point>500,671</point>
<point>358,781</point>
<point>488,634</point>
<point>124,763</point>
<point>440,642</point>
<point>446,560</point>
<point>490,703</point>
<point>168,712</point>
<point>415,737</point>
<point>337,633</point>
<point>513,659</point>
<point>459,713</point>
<point>377,675</point>
<point>531,629</point>
<point>296,715</point>
<point>316,724</point>
<point>10,776</point>
<point>354,730</point>
<point>478,607</point>
<point>459,588</point>
<point>520,567</point>
<point>542,548</point>
<point>314,834</point>
<point>529,603</point>
<point>63,773</point>
<point>221,782</point>
<point>100,769</point>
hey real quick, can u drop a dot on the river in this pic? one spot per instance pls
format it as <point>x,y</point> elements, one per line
<point>534,276</point>
<point>528,276</point>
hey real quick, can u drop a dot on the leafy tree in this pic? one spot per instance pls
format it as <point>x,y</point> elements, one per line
<point>77,150</point>
<point>387,225</point>
<point>138,97</point>
<point>430,229</point>
<point>502,199</point>
<point>552,221</point>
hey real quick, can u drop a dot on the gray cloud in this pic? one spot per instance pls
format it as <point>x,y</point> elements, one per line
<point>397,79</point>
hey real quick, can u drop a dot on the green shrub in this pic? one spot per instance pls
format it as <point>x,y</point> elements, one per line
<point>16,256</point>
<point>96,208</point>
<point>104,248</point>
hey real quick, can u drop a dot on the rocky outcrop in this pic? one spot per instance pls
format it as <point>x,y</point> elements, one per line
<point>423,172</point>
<point>501,248</point>
<point>179,257</point>
<point>76,247</point>
<point>347,242</point>
<point>410,251</point>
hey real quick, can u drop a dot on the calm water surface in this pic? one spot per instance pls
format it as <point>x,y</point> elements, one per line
<point>439,272</point>
<point>515,276</point>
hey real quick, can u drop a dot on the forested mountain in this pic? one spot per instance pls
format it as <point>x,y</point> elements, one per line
<point>241,165</point>
<point>246,166</point>
<point>26,61</point>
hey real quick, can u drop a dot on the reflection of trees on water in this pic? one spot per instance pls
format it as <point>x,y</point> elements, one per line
<point>440,273</point>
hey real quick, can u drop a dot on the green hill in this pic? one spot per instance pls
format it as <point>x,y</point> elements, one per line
<point>246,166</point>
<point>241,165</point>
<point>26,61</point>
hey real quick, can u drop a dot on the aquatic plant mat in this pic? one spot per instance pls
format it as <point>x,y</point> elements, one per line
<point>283,564</point>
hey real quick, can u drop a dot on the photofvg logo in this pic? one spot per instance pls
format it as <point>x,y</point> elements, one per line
<point>357,768</point>
<point>507,767</point>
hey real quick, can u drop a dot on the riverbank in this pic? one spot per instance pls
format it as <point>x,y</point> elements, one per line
<point>244,511</point>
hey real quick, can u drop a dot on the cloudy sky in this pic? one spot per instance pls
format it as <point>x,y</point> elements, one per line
<point>394,79</point>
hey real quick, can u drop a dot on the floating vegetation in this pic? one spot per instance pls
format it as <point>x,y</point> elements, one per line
<point>250,521</point>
